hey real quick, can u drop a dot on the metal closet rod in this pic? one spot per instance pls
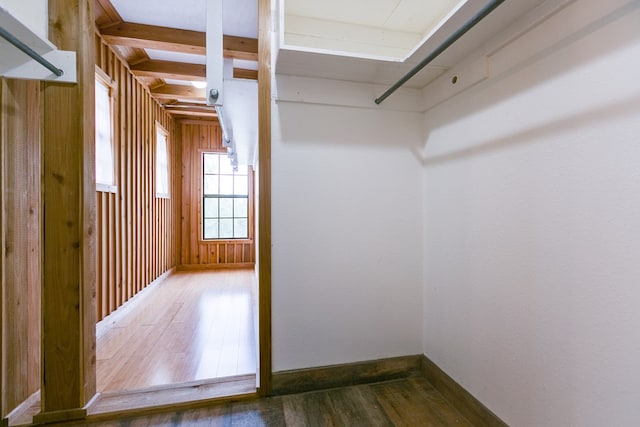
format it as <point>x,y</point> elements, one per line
<point>30,52</point>
<point>486,10</point>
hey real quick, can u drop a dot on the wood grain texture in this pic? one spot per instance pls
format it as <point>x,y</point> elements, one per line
<point>187,327</point>
<point>4,409</point>
<point>169,91</point>
<point>196,138</point>
<point>464,401</point>
<point>169,70</point>
<point>312,379</point>
<point>20,140</point>
<point>69,257</point>
<point>133,225</point>
<point>411,401</point>
<point>263,230</point>
<point>155,37</point>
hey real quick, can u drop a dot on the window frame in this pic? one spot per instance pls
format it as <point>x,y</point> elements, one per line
<point>163,130</point>
<point>105,80</point>
<point>250,203</point>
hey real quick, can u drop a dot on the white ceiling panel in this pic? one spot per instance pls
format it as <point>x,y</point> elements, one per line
<point>247,65</point>
<point>240,16</point>
<point>185,14</point>
<point>164,55</point>
<point>361,12</point>
<point>419,15</point>
<point>177,82</point>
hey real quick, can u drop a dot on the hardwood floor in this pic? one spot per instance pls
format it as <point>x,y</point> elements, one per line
<point>405,402</point>
<point>191,326</point>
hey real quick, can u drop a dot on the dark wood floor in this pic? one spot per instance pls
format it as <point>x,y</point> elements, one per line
<point>404,402</point>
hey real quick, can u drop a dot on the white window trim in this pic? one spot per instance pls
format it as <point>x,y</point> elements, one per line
<point>111,85</point>
<point>162,129</point>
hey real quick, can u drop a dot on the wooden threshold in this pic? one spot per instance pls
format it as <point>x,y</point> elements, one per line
<point>152,400</point>
<point>146,401</point>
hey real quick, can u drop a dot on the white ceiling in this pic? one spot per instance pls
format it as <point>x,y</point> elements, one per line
<point>417,16</point>
<point>371,66</point>
<point>240,17</point>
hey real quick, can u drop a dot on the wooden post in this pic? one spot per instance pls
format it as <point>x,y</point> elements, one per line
<point>264,185</point>
<point>69,205</point>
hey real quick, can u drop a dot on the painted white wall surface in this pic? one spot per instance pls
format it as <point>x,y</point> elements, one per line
<point>532,225</point>
<point>346,235</point>
<point>33,13</point>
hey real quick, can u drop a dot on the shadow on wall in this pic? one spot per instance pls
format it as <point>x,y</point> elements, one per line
<point>499,88</point>
<point>534,133</point>
<point>313,124</point>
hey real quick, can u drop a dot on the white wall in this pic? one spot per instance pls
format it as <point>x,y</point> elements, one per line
<point>33,13</point>
<point>532,225</point>
<point>346,235</point>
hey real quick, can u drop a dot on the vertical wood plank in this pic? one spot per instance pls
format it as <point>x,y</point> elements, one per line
<point>264,199</point>
<point>20,260</point>
<point>69,263</point>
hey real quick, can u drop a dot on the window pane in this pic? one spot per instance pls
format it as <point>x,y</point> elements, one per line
<point>226,208</point>
<point>104,149</point>
<point>225,216</point>
<point>211,163</point>
<point>226,184</point>
<point>241,186</point>
<point>240,208</point>
<point>210,228</point>
<point>211,185</point>
<point>225,165</point>
<point>210,208</point>
<point>240,228</point>
<point>162,166</point>
<point>226,228</point>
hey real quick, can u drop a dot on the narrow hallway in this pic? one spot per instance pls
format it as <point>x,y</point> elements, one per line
<point>191,326</point>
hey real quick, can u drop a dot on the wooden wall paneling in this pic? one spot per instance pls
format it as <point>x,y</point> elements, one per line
<point>34,242</point>
<point>137,223</point>
<point>135,189</point>
<point>144,196</point>
<point>129,184</point>
<point>69,257</point>
<point>4,409</point>
<point>113,284</point>
<point>100,268</point>
<point>196,137</point>
<point>19,137</point>
<point>176,186</point>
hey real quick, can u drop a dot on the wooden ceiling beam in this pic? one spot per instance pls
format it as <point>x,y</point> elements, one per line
<point>243,73</point>
<point>177,91</point>
<point>176,40</point>
<point>170,70</point>
<point>200,112</point>
<point>240,48</point>
<point>155,37</point>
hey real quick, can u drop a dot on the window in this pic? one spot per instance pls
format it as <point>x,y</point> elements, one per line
<point>105,176</point>
<point>162,163</point>
<point>225,198</point>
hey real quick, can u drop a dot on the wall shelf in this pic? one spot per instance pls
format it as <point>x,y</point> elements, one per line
<point>17,65</point>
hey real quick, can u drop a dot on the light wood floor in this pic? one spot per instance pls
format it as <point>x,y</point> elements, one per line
<point>406,402</point>
<point>191,326</point>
